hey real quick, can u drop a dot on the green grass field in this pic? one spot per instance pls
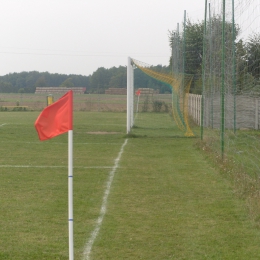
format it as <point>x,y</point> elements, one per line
<point>166,200</point>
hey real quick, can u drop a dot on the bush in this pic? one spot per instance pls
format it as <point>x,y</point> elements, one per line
<point>157,105</point>
<point>145,104</point>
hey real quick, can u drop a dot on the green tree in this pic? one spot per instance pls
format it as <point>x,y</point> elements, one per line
<point>119,79</point>
<point>6,87</point>
<point>194,41</point>
<point>253,55</point>
<point>40,82</point>
<point>99,81</point>
<point>193,47</point>
<point>241,65</point>
<point>67,83</point>
<point>20,83</point>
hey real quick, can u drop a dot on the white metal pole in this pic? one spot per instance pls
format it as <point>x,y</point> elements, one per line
<point>128,100</point>
<point>256,114</point>
<point>70,193</point>
<point>137,103</point>
<point>132,96</point>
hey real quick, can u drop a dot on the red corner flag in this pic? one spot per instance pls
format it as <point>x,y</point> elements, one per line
<point>138,92</point>
<point>55,119</point>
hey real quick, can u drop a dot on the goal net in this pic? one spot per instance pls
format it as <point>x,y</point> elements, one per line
<point>146,105</point>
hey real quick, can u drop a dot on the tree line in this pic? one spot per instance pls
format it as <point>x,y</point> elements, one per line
<point>247,68</point>
<point>26,82</point>
<point>97,83</point>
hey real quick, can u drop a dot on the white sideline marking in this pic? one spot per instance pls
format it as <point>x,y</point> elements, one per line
<point>88,247</point>
<point>57,143</point>
<point>54,166</point>
<point>2,124</point>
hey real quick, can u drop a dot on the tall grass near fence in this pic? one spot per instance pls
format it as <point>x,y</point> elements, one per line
<point>231,92</point>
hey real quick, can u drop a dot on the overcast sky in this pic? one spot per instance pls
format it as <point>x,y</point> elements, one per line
<point>79,36</point>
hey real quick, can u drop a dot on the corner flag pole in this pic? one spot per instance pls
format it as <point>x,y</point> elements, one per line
<point>54,120</point>
<point>70,192</point>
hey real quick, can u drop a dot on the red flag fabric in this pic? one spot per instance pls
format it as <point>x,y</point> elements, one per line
<point>138,92</point>
<point>55,119</point>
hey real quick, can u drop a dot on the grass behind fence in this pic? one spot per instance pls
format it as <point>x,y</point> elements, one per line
<point>166,200</point>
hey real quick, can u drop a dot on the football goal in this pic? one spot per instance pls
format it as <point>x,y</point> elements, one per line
<point>174,103</point>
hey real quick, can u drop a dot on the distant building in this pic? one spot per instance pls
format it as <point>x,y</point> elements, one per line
<point>148,91</point>
<point>123,91</point>
<point>59,90</point>
<point>116,91</point>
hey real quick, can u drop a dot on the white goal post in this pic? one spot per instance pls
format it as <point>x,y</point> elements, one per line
<point>130,95</point>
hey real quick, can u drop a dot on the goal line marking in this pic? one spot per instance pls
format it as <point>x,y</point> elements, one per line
<point>89,244</point>
<point>55,166</point>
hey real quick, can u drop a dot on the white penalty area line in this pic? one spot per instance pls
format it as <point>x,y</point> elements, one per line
<point>3,124</point>
<point>89,244</point>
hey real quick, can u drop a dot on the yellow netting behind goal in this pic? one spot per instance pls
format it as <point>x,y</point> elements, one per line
<point>180,86</point>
